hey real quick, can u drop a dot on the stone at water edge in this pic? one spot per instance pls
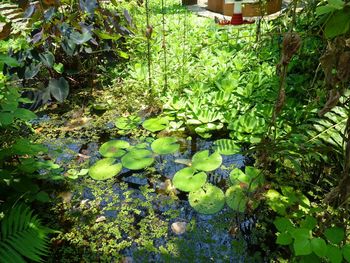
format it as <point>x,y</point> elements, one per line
<point>100,219</point>
<point>178,227</point>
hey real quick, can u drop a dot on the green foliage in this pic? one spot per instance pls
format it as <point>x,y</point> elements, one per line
<point>137,159</point>
<point>165,145</point>
<point>207,200</point>
<point>188,179</point>
<point>113,149</point>
<point>22,236</point>
<point>105,169</point>
<point>156,124</point>
<point>66,41</point>
<point>204,161</point>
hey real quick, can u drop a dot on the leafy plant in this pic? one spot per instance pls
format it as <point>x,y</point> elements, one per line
<point>165,145</point>
<point>156,124</point>
<point>22,236</point>
<point>188,179</point>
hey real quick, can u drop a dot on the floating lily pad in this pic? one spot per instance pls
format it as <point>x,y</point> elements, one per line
<point>155,124</point>
<point>188,180</point>
<point>113,148</point>
<point>127,123</point>
<point>251,179</point>
<point>165,145</point>
<point>137,159</point>
<point>205,162</point>
<point>105,169</point>
<point>236,198</point>
<point>207,200</point>
<point>226,147</point>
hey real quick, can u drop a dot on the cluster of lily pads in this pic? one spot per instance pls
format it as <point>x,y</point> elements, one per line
<point>203,196</point>
<point>207,198</point>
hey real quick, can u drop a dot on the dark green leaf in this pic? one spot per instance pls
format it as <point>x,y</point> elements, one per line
<point>338,24</point>
<point>346,252</point>
<point>47,59</point>
<point>334,234</point>
<point>59,89</point>
<point>334,254</point>
<point>284,239</point>
<point>319,246</point>
<point>302,246</point>
<point>283,224</point>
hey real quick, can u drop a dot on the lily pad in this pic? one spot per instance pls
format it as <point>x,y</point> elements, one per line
<point>127,123</point>
<point>165,145</point>
<point>155,124</point>
<point>114,148</point>
<point>205,162</point>
<point>137,159</point>
<point>105,169</point>
<point>226,147</point>
<point>236,198</point>
<point>207,200</point>
<point>188,180</point>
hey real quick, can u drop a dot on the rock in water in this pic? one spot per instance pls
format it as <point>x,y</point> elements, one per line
<point>178,227</point>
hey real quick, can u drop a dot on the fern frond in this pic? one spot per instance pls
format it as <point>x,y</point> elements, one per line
<point>22,236</point>
<point>330,128</point>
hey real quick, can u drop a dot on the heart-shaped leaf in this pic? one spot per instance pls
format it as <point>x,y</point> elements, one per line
<point>188,180</point>
<point>207,200</point>
<point>251,179</point>
<point>105,169</point>
<point>32,70</point>
<point>205,162</point>
<point>155,124</point>
<point>165,145</point>
<point>346,252</point>
<point>113,148</point>
<point>59,88</point>
<point>236,198</point>
<point>137,159</point>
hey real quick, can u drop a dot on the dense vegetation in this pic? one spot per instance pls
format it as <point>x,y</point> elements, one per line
<point>121,123</point>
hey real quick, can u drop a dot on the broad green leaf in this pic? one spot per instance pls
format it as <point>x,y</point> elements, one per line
<point>165,145</point>
<point>301,233</point>
<point>105,169</point>
<point>188,180</point>
<point>334,234</point>
<point>319,247</point>
<point>207,200</point>
<point>312,258</point>
<point>334,254</point>
<point>276,201</point>
<point>309,222</point>
<point>127,123</point>
<point>205,162</point>
<point>32,70</point>
<point>59,68</point>
<point>226,147</point>
<point>24,114</point>
<point>137,159</point>
<point>59,88</point>
<point>283,224</point>
<point>6,118</point>
<point>12,62</point>
<point>236,198</point>
<point>47,59</point>
<point>321,10</point>
<point>338,24</point>
<point>284,239</point>
<point>155,124</point>
<point>302,246</point>
<point>338,4</point>
<point>346,252</point>
<point>113,148</point>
